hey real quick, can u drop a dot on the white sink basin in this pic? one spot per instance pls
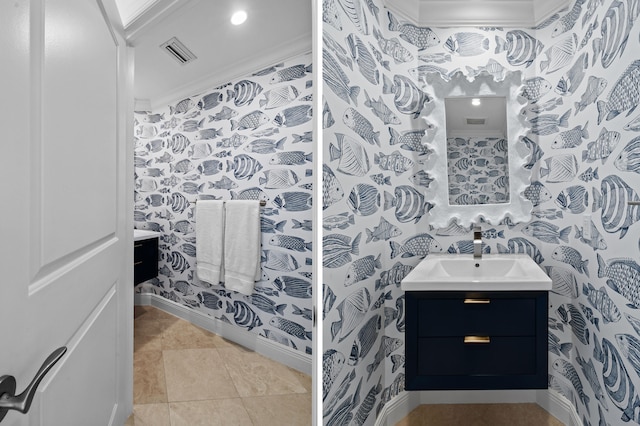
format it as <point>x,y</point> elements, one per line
<point>461,272</point>
<point>142,234</point>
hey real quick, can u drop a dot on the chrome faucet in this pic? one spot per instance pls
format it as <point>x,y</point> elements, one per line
<point>477,242</point>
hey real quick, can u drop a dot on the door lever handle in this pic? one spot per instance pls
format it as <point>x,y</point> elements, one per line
<point>10,401</point>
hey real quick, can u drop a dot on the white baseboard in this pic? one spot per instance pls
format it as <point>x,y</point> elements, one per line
<point>550,400</point>
<point>559,407</point>
<point>398,408</point>
<point>273,350</point>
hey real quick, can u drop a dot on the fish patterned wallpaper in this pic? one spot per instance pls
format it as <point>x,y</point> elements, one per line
<point>581,76</point>
<point>248,139</point>
<point>478,169</point>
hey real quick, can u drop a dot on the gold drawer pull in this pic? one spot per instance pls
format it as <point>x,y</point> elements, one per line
<point>477,301</point>
<point>137,263</point>
<point>477,339</point>
<point>137,245</point>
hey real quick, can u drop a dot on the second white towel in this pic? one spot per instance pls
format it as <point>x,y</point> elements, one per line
<point>242,245</point>
<point>209,240</point>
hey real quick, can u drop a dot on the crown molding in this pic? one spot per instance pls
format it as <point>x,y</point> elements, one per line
<point>480,13</point>
<point>545,8</point>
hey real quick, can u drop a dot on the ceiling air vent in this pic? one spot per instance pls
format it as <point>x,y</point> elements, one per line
<point>178,51</point>
<point>476,120</point>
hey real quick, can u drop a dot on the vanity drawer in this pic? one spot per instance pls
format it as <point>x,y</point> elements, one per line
<point>145,260</point>
<point>145,249</point>
<point>451,356</point>
<point>514,357</point>
<point>476,314</point>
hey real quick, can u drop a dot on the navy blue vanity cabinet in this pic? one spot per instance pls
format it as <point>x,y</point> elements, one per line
<point>145,260</point>
<point>476,340</point>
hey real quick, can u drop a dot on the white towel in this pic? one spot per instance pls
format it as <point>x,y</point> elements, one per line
<point>209,240</point>
<point>242,245</point>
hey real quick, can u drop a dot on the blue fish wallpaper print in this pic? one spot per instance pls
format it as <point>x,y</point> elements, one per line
<point>250,139</point>
<point>581,77</point>
<point>477,170</point>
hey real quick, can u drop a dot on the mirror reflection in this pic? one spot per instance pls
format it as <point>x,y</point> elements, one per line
<point>477,150</point>
<point>481,85</point>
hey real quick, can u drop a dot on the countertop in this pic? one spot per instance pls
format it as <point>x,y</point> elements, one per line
<point>141,234</point>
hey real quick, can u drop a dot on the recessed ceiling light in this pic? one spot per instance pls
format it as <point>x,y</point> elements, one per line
<point>475,102</point>
<point>238,17</point>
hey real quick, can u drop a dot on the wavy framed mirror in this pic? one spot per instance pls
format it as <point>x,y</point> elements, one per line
<point>478,154</point>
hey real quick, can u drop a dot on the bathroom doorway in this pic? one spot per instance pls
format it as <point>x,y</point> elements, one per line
<point>229,125</point>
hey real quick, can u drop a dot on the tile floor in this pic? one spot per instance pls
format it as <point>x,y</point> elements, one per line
<point>479,415</point>
<point>186,376</point>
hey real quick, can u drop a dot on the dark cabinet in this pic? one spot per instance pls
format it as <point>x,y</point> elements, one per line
<point>145,260</point>
<point>476,340</point>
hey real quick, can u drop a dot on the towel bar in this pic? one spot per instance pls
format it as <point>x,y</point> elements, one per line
<point>262,202</point>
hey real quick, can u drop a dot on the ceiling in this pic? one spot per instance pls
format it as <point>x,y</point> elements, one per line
<point>492,110</point>
<point>275,30</point>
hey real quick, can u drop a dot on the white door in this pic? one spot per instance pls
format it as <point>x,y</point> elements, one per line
<point>65,190</point>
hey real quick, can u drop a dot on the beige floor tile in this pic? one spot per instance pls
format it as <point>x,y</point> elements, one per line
<point>179,362</point>
<point>149,415</point>
<point>233,347</point>
<point>139,310</point>
<point>221,342</point>
<point>479,415</point>
<point>447,414</point>
<point>196,374</point>
<point>292,410</point>
<point>150,312</point>
<point>254,375</point>
<point>304,379</point>
<point>184,335</point>
<point>148,378</point>
<point>527,415</point>
<point>218,412</point>
<point>147,335</point>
